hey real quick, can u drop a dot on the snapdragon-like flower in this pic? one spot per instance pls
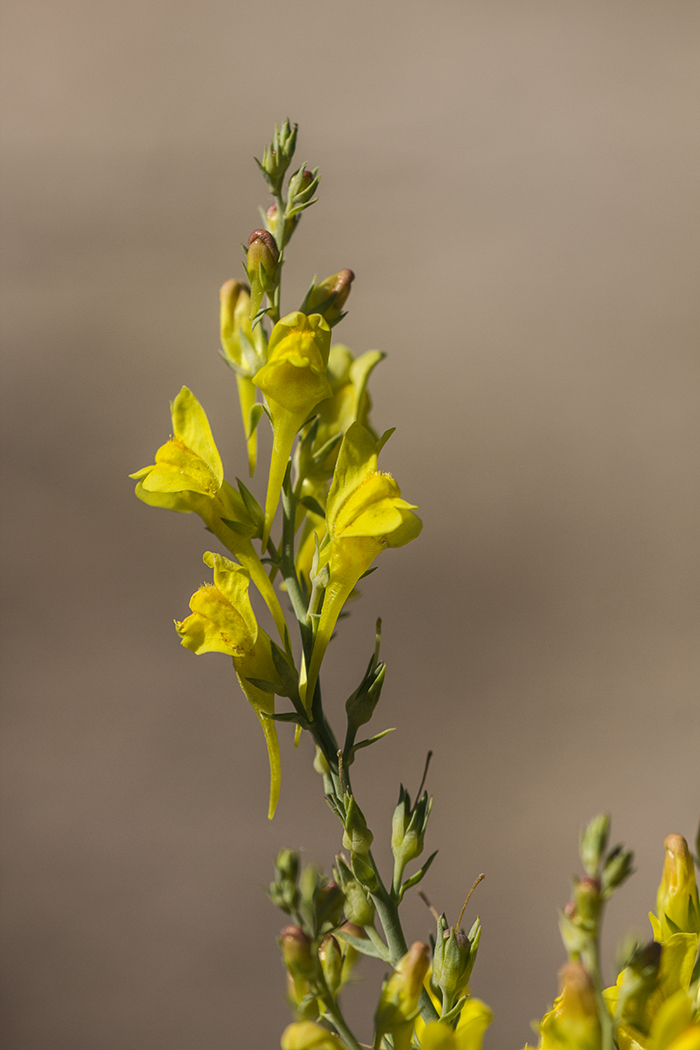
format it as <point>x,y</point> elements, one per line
<point>364,514</point>
<point>223,621</point>
<point>318,450</point>
<point>293,381</point>
<point>188,477</point>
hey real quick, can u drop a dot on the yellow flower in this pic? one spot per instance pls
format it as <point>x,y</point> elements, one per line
<point>673,1028</point>
<point>468,1035</point>
<point>364,514</point>
<point>677,899</point>
<point>573,1022</point>
<point>188,477</point>
<point>223,621</point>
<point>307,1035</point>
<point>293,381</point>
<point>350,403</point>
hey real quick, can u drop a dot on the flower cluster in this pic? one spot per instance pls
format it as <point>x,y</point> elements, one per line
<point>294,558</point>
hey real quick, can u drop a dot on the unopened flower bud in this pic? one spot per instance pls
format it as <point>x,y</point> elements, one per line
<point>320,763</point>
<point>593,843</point>
<point>329,904</point>
<point>618,867</point>
<point>261,266</point>
<point>364,872</point>
<point>588,903</point>
<point>360,706</point>
<point>359,906</point>
<point>408,827</point>
<point>302,185</point>
<point>331,963</point>
<point>453,959</point>
<point>329,297</point>
<point>677,899</point>
<point>357,837</point>
<point>296,952</point>
<point>283,891</point>
<point>278,155</point>
<point>307,1035</point>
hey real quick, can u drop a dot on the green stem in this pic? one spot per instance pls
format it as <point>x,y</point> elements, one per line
<point>333,1011</point>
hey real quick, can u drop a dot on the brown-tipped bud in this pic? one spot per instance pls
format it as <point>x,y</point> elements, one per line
<point>296,952</point>
<point>261,266</point>
<point>329,297</point>
<point>262,248</point>
<point>588,902</point>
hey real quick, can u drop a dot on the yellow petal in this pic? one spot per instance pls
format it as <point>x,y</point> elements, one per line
<point>191,427</point>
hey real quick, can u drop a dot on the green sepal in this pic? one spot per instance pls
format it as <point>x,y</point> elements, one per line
<point>321,455</point>
<point>334,806</point>
<point>673,927</point>
<point>254,418</point>
<point>312,505</point>
<point>384,438</point>
<point>261,312</point>
<point>265,687</point>
<point>368,572</point>
<point>416,878</point>
<point>454,1013</point>
<point>362,946</point>
<point>252,506</point>
<point>288,677</point>
<point>237,527</point>
<point>285,716</point>
<point>298,208</point>
<point>695,976</point>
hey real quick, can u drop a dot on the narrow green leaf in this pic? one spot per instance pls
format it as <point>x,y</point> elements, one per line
<point>415,879</point>
<point>312,505</point>
<point>365,947</point>
<point>372,739</point>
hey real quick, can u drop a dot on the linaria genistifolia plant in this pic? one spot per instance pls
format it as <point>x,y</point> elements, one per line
<point>339,511</point>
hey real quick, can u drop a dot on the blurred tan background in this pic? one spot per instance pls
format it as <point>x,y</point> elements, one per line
<point>515,185</point>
